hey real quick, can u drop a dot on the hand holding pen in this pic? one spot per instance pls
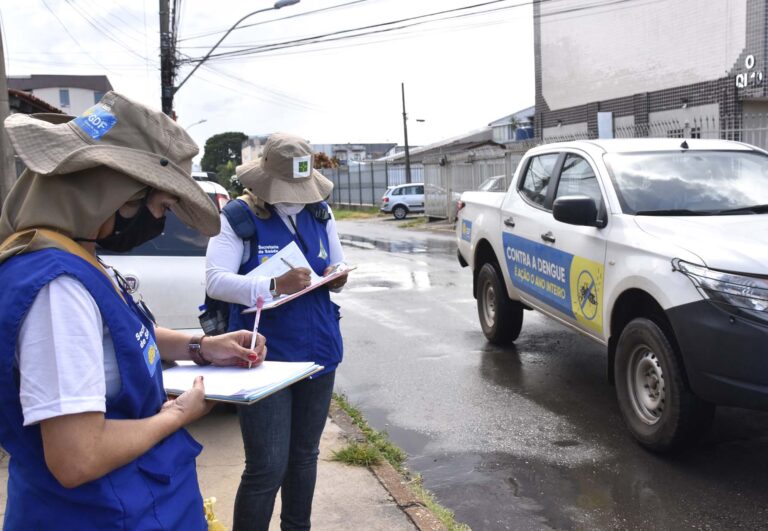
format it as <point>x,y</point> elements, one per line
<point>295,279</point>
<point>259,306</point>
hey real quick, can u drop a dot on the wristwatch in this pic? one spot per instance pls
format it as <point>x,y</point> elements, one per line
<point>273,287</point>
<point>195,354</point>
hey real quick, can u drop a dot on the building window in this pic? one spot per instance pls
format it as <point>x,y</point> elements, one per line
<point>63,97</point>
<point>97,95</point>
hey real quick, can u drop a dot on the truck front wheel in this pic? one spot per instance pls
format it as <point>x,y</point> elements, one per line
<point>500,317</point>
<point>654,399</point>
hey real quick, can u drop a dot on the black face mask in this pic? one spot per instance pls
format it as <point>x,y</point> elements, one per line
<point>132,232</point>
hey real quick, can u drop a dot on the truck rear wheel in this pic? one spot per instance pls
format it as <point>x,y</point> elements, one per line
<point>500,318</point>
<point>658,407</point>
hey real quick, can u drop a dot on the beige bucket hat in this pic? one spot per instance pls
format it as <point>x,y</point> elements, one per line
<point>284,173</point>
<point>125,136</point>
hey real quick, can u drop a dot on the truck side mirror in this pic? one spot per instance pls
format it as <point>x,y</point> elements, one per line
<point>577,210</point>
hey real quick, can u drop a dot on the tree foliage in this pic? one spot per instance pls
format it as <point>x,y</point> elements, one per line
<point>323,161</point>
<point>222,153</point>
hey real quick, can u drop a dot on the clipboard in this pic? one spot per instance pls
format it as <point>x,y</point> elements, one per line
<point>239,385</point>
<point>316,282</point>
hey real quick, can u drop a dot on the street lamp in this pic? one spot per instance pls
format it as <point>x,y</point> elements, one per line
<point>190,126</point>
<point>279,4</point>
<point>405,135</point>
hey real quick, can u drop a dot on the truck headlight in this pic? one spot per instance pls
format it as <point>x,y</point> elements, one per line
<point>742,291</point>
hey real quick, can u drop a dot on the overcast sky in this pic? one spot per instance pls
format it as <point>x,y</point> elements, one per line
<point>460,73</point>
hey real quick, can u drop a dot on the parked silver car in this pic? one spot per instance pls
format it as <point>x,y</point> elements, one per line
<point>403,199</point>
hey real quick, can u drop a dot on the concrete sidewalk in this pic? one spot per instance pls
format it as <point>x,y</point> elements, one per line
<point>346,497</point>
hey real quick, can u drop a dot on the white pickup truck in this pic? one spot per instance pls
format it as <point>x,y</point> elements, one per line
<point>655,248</point>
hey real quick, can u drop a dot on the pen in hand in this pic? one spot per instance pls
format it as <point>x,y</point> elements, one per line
<point>286,262</point>
<point>259,305</point>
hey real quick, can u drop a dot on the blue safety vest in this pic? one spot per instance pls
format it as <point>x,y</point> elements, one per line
<point>306,328</point>
<point>158,490</point>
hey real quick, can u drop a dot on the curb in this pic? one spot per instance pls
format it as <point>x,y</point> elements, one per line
<point>391,479</point>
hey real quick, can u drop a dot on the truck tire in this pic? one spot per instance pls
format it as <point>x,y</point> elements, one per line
<point>657,406</point>
<point>500,318</point>
<point>399,212</point>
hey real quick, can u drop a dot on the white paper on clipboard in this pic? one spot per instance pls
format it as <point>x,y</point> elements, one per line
<point>317,281</point>
<point>275,266</point>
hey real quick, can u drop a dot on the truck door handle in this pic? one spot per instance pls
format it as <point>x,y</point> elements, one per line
<point>547,237</point>
<point>509,222</point>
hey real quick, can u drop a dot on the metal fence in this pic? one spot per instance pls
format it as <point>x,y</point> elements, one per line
<point>364,184</point>
<point>748,127</point>
<point>446,177</point>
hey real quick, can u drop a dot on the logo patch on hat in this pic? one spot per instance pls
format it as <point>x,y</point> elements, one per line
<point>96,121</point>
<point>302,167</point>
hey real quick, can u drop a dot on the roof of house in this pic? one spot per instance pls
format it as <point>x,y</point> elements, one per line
<point>370,148</point>
<point>520,117</point>
<point>30,103</point>
<point>472,139</point>
<point>34,82</point>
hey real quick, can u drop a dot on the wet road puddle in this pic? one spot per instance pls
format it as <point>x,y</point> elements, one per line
<point>430,246</point>
<point>381,276</point>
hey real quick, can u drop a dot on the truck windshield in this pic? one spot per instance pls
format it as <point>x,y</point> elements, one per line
<point>692,182</point>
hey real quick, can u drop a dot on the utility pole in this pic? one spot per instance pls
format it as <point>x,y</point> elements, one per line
<point>7,163</point>
<point>167,61</point>
<point>405,134</point>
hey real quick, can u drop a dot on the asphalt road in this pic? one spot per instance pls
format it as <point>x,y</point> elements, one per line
<point>527,437</point>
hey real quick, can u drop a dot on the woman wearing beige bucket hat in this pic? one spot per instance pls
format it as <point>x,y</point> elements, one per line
<point>93,440</point>
<point>281,434</point>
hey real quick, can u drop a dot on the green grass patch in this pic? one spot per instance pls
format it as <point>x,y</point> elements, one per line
<point>364,213</point>
<point>414,222</point>
<point>443,514</point>
<point>379,446</point>
<point>376,440</point>
<point>358,454</point>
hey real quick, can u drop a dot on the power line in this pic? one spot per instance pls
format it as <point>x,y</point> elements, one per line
<point>74,39</point>
<point>66,63</point>
<point>128,12</point>
<point>238,91</point>
<point>281,96</point>
<point>593,6</point>
<point>104,32</point>
<point>107,17</point>
<point>218,32</point>
<point>343,34</point>
<point>389,38</point>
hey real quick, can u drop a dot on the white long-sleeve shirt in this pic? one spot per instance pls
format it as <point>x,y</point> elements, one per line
<point>227,252</point>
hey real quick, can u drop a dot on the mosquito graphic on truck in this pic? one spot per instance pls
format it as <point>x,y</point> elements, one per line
<point>647,246</point>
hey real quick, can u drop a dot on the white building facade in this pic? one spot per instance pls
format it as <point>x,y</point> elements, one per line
<point>71,94</point>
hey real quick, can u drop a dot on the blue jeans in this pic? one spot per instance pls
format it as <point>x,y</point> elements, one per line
<point>281,436</point>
